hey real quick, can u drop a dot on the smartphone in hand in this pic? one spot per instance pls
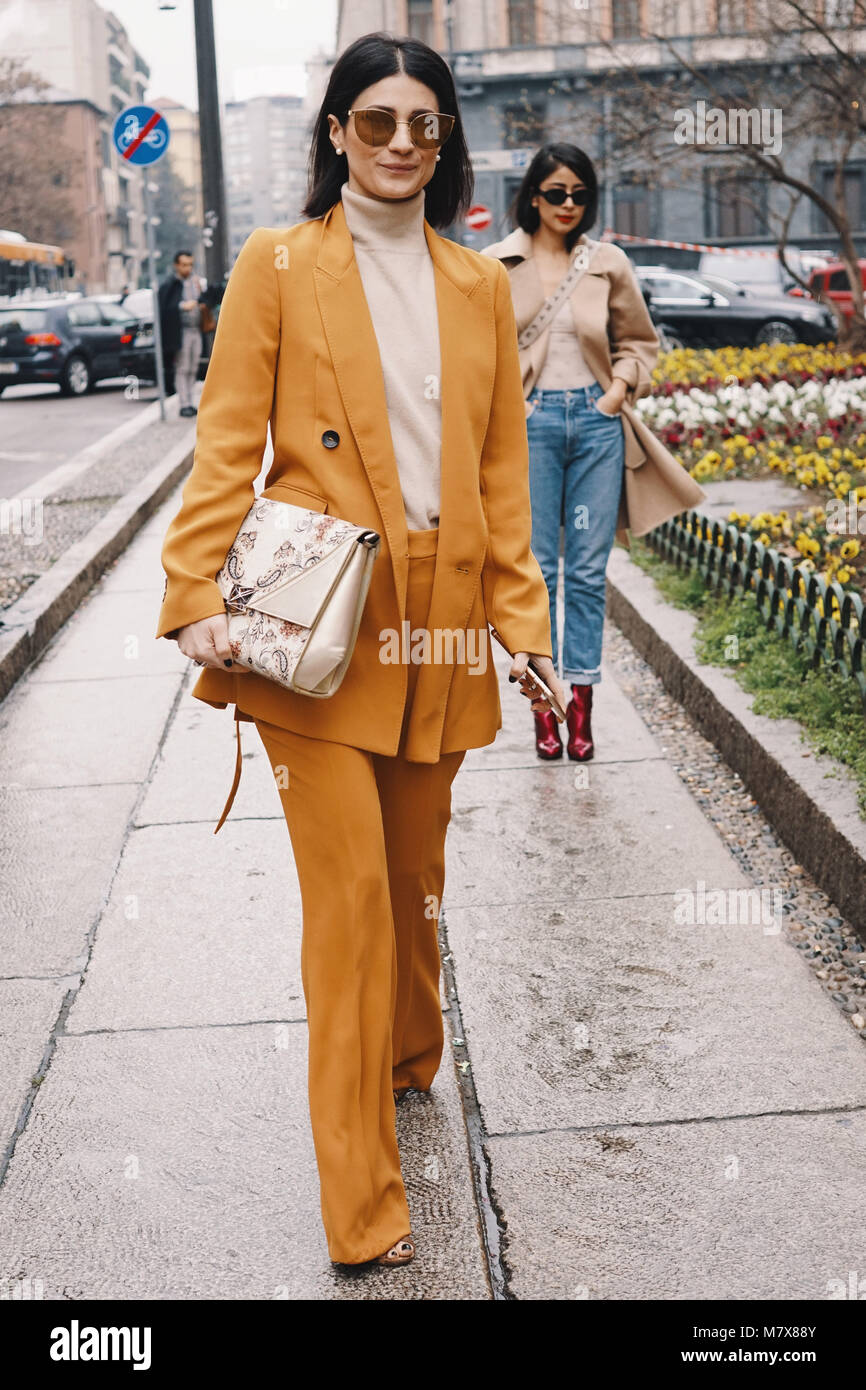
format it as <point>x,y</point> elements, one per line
<point>539,680</point>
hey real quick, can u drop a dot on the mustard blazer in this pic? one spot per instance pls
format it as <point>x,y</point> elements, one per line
<point>295,347</point>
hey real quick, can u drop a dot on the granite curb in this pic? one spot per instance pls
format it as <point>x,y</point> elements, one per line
<point>808,798</point>
<point>28,625</point>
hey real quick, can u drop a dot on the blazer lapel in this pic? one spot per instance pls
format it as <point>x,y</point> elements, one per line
<point>467,337</point>
<point>358,370</point>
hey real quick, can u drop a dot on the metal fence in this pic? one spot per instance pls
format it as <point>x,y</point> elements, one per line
<point>825,622</point>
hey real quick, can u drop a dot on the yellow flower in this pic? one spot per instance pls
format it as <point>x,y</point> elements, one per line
<point>850,550</point>
<point>843,575</point>
<point>764,538</point>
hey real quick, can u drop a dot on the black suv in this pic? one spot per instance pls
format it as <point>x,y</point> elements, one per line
<point>73,342</point>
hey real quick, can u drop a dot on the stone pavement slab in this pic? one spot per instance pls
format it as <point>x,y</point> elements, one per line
<point>757,1208</point>
<point>84,732</point>
<point>200,928</point>
<point>28,1012</point>
<point>112,636</point>
<point>621,735</point>
<point>548,834</point>
<point>179,1164</point>
<point>59,848</point>
<point>196,767</point>
<point>609,1012</point>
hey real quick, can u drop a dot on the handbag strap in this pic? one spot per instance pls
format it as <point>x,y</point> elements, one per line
<point>237,779</point>
<point>580,263</point>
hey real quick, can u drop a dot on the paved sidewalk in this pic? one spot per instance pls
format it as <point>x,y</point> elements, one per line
<point>668,1111</point>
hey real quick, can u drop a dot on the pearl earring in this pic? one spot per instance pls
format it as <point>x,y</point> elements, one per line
<point>337,149</point>
<point>438,157</point>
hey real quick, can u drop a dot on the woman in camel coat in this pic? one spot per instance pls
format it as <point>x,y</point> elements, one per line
<point>591,457</point>
<point>385,359</point>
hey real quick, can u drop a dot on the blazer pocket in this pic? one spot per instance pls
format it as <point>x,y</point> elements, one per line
<point>289,492</point>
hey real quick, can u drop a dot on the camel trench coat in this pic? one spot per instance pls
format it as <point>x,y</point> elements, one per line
<point>295,348</point>
<point>617,339</point>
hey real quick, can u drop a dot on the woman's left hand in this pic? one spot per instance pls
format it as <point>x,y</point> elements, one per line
<point>612,400</point>
<point>528,687</point>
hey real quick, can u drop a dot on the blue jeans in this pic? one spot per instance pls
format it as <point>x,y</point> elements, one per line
<point>576,463</point>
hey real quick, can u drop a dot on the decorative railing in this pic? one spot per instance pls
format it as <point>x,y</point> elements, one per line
<point>825,623</point>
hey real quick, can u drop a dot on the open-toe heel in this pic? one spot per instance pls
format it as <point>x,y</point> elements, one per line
<point>401,1252</point>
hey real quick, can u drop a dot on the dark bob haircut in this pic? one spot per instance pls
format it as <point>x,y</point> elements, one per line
<point>449,193</point>
<point>544,161</point>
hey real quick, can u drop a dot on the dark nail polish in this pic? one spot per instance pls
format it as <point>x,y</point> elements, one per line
<point>226,663</point>
<point>512,678</point>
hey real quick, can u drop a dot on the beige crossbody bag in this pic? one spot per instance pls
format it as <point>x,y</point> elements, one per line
<point>294,584</point>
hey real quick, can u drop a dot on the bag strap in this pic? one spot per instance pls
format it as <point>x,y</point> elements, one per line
<point>579,265</point>
<point>237,779</point>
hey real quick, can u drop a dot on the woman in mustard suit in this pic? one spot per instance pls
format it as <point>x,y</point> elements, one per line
<point>384,358</point>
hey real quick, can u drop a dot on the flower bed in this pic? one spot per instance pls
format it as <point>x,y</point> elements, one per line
<point>794,411</point>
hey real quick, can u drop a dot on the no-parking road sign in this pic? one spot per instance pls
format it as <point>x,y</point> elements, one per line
<point>141,134</point>
<point>479,217</point>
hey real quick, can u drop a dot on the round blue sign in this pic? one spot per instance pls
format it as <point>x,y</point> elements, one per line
<point>141,135</point>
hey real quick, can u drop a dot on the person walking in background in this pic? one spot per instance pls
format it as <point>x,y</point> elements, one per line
<point>585,361</point>
<point>180,300</point>
<point>384,357</point>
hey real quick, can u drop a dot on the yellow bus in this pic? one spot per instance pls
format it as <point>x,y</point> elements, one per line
<point>31,268</point>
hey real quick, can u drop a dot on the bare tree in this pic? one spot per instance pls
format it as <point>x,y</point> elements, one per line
<point>34,166</point>
<point>802,59</point>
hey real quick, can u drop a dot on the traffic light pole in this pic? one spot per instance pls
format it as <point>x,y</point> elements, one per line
<point>210,141</point>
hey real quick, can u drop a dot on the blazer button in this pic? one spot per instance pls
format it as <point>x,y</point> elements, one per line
<point>330,439</point>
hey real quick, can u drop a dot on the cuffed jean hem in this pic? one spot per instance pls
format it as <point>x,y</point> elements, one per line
<point>582,677</point>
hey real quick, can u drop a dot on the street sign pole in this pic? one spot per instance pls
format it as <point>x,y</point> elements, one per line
<point>141,136</point>
<point>154,289</point>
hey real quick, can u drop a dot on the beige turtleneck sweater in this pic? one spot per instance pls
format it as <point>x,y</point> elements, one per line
<point>397,274</point>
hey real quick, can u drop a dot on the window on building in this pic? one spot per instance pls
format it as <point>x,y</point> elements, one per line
<point>420,19</point>
<point>523,123</point>
<point>521,21</point>
<point>732,16</point>
<point>625,19</point>
<point>854,186</point>
<point>838,13</point>
<point>737,206</point>
<point>631,209</point>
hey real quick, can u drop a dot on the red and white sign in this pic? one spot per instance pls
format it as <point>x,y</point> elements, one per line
<point>479,217</point>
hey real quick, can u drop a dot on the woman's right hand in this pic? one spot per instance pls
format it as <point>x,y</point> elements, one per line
<point>207,643</point>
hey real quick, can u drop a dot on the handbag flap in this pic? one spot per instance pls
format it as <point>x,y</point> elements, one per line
<point>299,598</point>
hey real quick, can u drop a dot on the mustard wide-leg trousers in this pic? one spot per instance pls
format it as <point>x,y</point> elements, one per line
<point>368,836</point>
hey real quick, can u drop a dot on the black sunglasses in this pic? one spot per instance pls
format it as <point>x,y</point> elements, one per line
<point>557,196</point>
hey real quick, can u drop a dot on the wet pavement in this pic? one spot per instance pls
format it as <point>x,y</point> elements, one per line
<point>655,1103</point>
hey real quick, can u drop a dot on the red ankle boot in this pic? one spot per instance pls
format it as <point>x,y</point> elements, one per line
<point>548,744</point>
<point>578,716</point>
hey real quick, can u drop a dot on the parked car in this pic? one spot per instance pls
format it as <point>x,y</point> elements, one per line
<point>832,280</point>
<point>759,274</point>
<point>715,312</point>
<point>71,342</point>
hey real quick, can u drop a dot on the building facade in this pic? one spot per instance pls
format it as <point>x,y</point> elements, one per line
<point>84,53</point>
<point>265,147</point>
<point>529,71</point>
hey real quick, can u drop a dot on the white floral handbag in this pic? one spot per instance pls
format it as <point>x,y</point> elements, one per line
<point>294,584</point>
